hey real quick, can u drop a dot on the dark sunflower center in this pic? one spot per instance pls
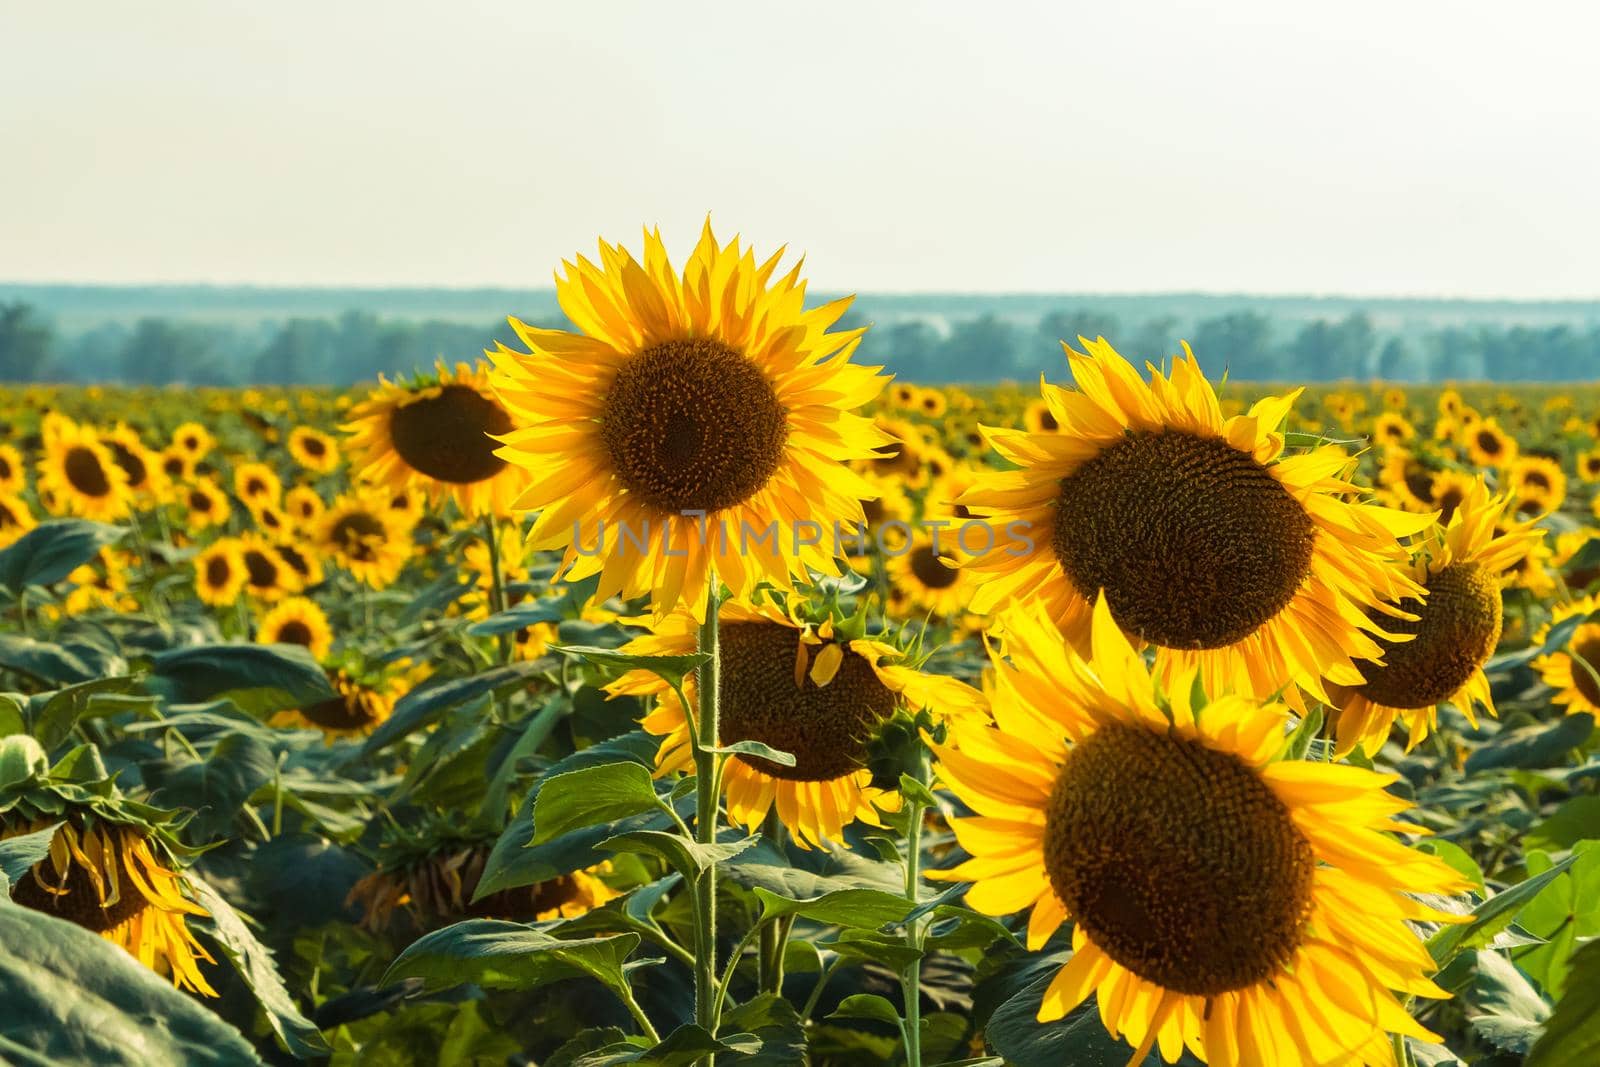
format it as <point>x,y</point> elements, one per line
<point>130,463</point>
<point>1194,542</point>
<point>1586,657</point>
<point>693,425</point>
<point>84,471</point>
<point>263,572</point>
<point>355,710</point>
<point>353,530</point>
<point>255,487</point>
<point>446,437</point>
<point>825,728</point>
<point>1536,479</point>
<point>294,632</point>
<point>314,447</point>
<point>1488,442</point>
<point>199,501</point>
<point>1458,630</point>
<point>1420,481</point>
<point>1177,860</point>
<point>1448,501</point>
<point>80,903</point>
<point>295,559</point>
<point>173,466</point>
<point>5,469</point>
<point>930,569</point>
<point>1047,421</point>
<point>217,572</point>
<point>8,518</point>
<point>896,458</point>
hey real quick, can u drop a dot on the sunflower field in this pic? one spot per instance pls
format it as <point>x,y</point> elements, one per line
<point>677,689</point>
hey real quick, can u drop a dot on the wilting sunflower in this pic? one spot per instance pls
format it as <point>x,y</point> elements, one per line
<point>256,484</point>
<point>1254,568</point>
<point>205,505</point>
<point>930,576</point>
<point>81,476</point>
<point>1463,565</point>
<point>432,881</point>
<point>194,441</point>
<point>110,868</point>
<point>365,538</point>
<point>314,450</point>
<point>268,575</point>
<point>799,689</point>
<point>13,472</point>
<point>1487,444</point>
<point>303,505</point>
<point>439,436</point>
<point>1250,909</point>
<point>297,620</point>
<point>1538,483</point>
<point>219,572</point>
<point>715,393</point>
<point>1573,672</point>
<point>16,518</point>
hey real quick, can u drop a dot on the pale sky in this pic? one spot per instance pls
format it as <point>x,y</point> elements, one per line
<point>1398,147</point>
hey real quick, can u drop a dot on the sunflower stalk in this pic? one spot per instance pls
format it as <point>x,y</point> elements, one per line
<point>497,583</point>
<point>706,762</point>
<point>772,933</point>
<point>911,978</point>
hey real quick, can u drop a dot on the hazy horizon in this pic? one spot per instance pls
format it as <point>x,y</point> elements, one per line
<point>1255,149</point>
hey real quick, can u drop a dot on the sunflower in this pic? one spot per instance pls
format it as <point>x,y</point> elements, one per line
<point>932,403</point>
<point>16,518</point>
<point>1037,418</point>
<point>1450,405</point>
<point>1487,444</point>
<point>194,441</point>
<point>1253,568</point>
<point>219,572</point>
<point>438,436</point>
<point>359,705</point>
<point>176,468</point>
<point>928,572</point>
<point>304,505</point>
<point>81,476</point>
<point>110,866</point>
<point>146,480</point>
<point>1538,482</point>
<point>268,575</point>
<point>1448,490</point>
<point>297,620</point>
<point>1454,632</point>
<point>900,457</point>
<point>1406,480</point>
<point>314,450</point>
<point>205,505</point>
<point>801,690</point>
<point>365,538</point>
<point>433,885</point>
<point>257,484</point>
<point>1394,398</point>
<point>689,411</point>
<point>1248,908</point>
<point>13,472</point>
<point>1573,672</point>
<point>272,521</point>
<point>1392,429</point>
<point>902,395</point>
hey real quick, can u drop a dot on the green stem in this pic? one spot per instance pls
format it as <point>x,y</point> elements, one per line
<point>639,1016</point>
<point>771,958</point>
<point>816,990</point>
<point>277,794</point>
<point>22,612</point>
<point>911,978</point>
<point>708,676</point>
<point>497,583</point>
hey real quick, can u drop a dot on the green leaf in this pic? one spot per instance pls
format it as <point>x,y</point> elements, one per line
<point>505,955</point>
<point>1504,1008</point>
<point>259,679</point>
<point>1458,858</point>
<point>19,853</point>
<point>1490,917</point>
<point>21,758</point>
<point>687,857</point>
<point>592,795</point>
<point>775,1021</point>
<point>1533,747</point>
<point>55,714</point>
<point>52,550</point>
<point>11,720</point>
<point>867,1006</point>
<point>219,785</point>
<point>867,909</point>
<point>254,964</point>
<point>1573,821</point>
<point>1304,732</point>
<point>684,1047</point>
<point>50,663</point>
<point>1555,640</point>
<point>427,702</point>
<point>758,750</point>
<point>1572,1033</point>
<point>671,669</point>
<point>68,996</point>
<point>516,618</point>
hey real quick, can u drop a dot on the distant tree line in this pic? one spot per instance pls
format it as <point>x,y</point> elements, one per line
<point>1250,346</point>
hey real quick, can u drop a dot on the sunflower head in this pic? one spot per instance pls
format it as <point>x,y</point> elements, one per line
<point>297,621</point>
<point>113,864</point>
<point>439,435</point>
<point>691,410</point>
<point>314,450</point>
<point>220,573</point>
<point>1214,887</point>
<point>80,474</point>
<point>366,537</point>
